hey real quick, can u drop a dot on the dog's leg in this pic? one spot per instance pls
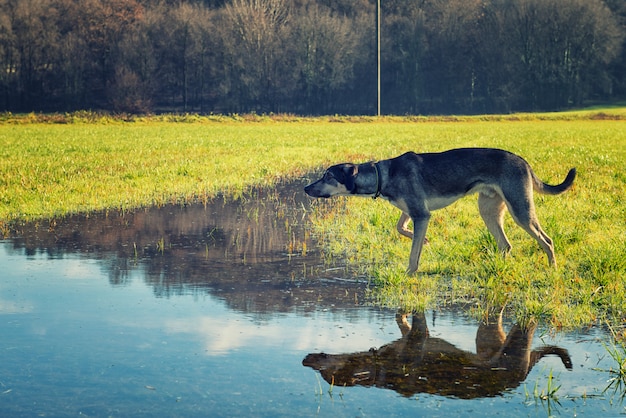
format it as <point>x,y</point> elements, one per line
<point>490,336</point>
<point>535,231</point>
<point>420,224</point>
<point>403,224</point>
<point>491,208</point>
<point>403,227</point>
<point>523,212</point>
<point>402,322</point>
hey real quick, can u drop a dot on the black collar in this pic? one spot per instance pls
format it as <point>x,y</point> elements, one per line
<point>378,180</point>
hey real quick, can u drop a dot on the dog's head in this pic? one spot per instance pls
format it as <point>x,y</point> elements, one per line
<point>338,180</point>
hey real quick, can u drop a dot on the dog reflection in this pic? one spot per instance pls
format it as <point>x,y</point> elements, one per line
<point>417,363</point>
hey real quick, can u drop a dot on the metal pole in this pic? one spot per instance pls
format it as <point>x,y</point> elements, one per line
<point>378,56</point>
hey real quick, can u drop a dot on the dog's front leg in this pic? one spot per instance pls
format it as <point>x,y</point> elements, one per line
<point>420,224</point>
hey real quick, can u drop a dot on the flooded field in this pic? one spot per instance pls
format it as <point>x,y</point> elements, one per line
<point>227,309</point>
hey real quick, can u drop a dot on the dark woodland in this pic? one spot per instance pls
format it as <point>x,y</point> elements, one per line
<point>310,57</point>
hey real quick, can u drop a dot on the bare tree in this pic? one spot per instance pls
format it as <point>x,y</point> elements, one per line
<point>8,53</point>
<point>91,33</point>
<point>30,32</point>
<point>254,50</point>
<point>449,68</point>
<point>327,47</point>
<point>563,47</point>
<point>180,39</point>
<point>404,50</point>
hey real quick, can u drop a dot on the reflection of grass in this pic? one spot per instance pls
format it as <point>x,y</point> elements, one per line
<point>160,245</point>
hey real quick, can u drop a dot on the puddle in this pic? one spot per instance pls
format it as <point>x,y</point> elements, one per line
<point>226,309</point>
<point>253,253</point>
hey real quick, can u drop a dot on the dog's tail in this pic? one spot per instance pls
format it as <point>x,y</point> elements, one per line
<point>544,188</point>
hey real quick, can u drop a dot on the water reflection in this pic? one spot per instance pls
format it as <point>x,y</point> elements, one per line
<point>202,310</point>
<point>418,363</point>
<point>253,252</point>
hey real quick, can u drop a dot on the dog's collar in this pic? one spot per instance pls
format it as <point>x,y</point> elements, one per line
<point>378,181</point>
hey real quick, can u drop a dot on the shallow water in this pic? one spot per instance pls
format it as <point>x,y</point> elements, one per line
<point>223,309</point>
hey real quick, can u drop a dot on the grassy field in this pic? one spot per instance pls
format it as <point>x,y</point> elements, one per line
<point>57,164</point>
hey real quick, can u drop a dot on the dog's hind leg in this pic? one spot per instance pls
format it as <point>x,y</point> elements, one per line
<point>491,208</point>
<point>535,231</point>
<point>523,212</point>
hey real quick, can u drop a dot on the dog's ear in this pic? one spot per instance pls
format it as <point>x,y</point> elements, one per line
<point>349,175</point>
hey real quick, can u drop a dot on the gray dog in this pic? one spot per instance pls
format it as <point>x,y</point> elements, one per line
<point>420,183</point>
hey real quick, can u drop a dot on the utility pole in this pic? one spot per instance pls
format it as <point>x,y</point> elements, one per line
<point>378,57</point>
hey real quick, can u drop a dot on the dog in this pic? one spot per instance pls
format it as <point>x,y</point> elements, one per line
<point>420,363</point>
<point>418,184</point>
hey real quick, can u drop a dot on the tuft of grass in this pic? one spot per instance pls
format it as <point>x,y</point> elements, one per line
<point>546,396</point>
<point>617,380</point>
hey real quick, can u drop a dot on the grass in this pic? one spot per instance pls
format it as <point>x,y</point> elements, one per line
<point>52,165</point>
<point>49,170</point>
<point>617,381</point>
<point>547,397</point>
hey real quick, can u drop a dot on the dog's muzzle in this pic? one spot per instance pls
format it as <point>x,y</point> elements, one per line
<point>314,190</point>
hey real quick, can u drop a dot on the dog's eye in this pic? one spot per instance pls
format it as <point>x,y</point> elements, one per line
<point>328,176</point>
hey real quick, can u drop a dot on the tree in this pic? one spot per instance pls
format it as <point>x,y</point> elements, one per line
<point>94,30</point>
<point>135,81</point>
<point>310,56</point>
<point>327,48</point>
<point>404,48</point>
<point>563,48</point>
<point>449,67</point>
<point>181,44</point>
<point>30,34</point>
<point>256,53</point>
<point>8,54</point>
<point>617,68</point>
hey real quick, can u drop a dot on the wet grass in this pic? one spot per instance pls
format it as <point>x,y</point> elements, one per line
<point>616,384</point>
<point>547,396</point>
<point>58,164</point>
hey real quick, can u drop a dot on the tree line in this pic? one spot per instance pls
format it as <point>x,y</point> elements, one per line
<point>310,56</point>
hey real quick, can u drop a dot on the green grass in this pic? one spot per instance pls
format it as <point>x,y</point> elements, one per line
<point>617,381</point>
<point>52,165</point>
<point>49,170</point>
<point>547,397</point>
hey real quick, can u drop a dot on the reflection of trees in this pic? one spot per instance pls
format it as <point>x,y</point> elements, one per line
<point>248,251</point>
<point>117,269</point>
<point>418,363</point>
